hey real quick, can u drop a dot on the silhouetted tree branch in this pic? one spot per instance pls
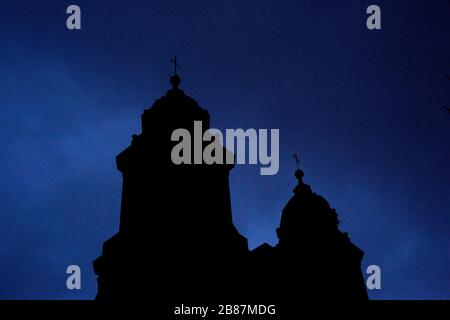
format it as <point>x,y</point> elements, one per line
<point>445,107</point>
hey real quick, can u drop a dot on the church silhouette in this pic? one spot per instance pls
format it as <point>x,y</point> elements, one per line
<point>177,242</point>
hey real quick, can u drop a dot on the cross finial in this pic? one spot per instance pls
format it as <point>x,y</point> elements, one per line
<point>298,174</point>
<point>297,160</point>
<point>175,64</point>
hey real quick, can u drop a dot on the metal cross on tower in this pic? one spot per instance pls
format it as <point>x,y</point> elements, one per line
<point>297,160</point>
<point>175,64</point>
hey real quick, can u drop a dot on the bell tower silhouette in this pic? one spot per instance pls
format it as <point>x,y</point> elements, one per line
<point>175,222</point>
<point>312,257</point>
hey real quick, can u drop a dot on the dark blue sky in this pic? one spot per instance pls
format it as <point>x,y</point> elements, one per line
<point>363,109</point>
